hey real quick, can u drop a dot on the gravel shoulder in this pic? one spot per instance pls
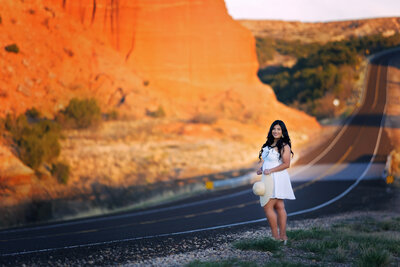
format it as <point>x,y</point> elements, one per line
<point>211,245</point>
<point>226,251</point>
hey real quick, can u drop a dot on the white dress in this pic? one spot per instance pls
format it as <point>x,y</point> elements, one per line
<point>278,183</point>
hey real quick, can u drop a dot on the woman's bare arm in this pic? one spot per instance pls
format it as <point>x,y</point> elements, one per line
<point>260,170</point>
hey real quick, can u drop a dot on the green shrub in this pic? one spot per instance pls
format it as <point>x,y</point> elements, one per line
<point>159,113</point>
<point>12,48</point>
<point>339,255</point>
<point>300,234</point>
<point>50,133</point>
<point>39,143</point>
<point>30,150</point>
<point>36,142</point>
<point>16,125</point>
<point>33,113</point>
<point>60,171</point>
<point>80,114</point>
<point>374,257</point>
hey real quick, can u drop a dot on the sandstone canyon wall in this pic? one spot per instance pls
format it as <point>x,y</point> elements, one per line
<point>193,53</point>
<point>194,42</point>
<point>190,55</point>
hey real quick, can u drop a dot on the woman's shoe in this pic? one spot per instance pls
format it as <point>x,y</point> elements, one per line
<point>284,241</point>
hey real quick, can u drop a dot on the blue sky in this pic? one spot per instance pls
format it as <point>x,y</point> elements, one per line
<point>312,10</point>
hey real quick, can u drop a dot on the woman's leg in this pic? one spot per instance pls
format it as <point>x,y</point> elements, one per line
<point>282,217</point>
<point>271,216</point>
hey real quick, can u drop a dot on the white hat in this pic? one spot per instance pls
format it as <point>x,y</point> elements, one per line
<point>259,188</point>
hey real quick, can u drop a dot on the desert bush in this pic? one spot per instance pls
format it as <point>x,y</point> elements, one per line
<point>80,114</point>
<point>60,171</point>
<point>33,114</point>
<point>112,115</point>
<point>204,118</point>
<point>159,113</point>
<point>15,125</point>
<point>39,143</point>
<point>36,142</point>
<point>30,150</point>
<point>12,48</point>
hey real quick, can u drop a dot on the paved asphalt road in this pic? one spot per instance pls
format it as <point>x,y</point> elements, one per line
<point>357,151</point>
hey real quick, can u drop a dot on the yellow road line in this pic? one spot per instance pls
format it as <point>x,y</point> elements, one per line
<point>87,231</point>
<point>376,87</point>
<point>327,171</point>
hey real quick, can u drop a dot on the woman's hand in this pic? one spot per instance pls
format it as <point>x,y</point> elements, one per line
<point>267,172</point>
<point>259,171</point>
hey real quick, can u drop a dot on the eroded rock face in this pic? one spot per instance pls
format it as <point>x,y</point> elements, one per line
<point>188,57</point>
<point>194,54</point>
<point>58,59</point>
<point>194,42</point>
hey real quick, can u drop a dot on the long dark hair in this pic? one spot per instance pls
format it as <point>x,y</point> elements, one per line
<point>284,140</point>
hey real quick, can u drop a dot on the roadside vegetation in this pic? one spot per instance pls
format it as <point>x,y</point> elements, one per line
<point>356,242</point>
<point>322,72</point>
<point>36,139</point>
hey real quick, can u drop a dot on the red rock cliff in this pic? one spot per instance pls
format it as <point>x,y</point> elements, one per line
<point>194,42</point>
<point>193,53</point>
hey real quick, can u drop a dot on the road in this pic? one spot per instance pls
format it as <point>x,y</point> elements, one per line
<point>356,152</point>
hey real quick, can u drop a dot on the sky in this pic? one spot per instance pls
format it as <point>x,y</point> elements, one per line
<point>312,10</point>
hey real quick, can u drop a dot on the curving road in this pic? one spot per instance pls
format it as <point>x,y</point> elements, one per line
<point>356,152</point>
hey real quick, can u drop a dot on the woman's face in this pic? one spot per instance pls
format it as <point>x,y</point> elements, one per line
<point>277,131</point>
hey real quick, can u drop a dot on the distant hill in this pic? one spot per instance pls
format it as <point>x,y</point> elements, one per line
<point>311,64</point>
<point>321,31</point>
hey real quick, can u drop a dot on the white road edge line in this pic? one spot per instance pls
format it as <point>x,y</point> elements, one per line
<point>239,223</point>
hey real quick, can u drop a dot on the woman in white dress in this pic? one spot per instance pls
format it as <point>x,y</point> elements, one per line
<point>276,153</point>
